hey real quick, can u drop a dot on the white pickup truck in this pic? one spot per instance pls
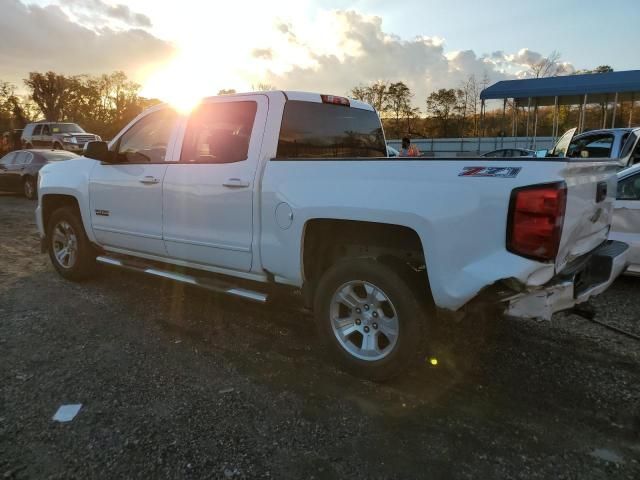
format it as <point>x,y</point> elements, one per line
<point>251,194</point>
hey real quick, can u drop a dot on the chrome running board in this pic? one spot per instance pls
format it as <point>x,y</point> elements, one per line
<point>213,284</point>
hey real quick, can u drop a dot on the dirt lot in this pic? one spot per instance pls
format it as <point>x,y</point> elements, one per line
<point>177,383</point>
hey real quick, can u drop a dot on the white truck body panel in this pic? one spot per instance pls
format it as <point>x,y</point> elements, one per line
<point>248,218</point>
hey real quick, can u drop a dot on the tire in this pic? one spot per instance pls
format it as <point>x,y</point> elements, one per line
<point>30,188</point>
<point>65,230</point>
<point>383,355</point>
<point>57,146</point>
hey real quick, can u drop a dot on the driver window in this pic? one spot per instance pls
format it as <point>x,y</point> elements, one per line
<point>219,133</point>
<point>45,130</point>
<point>146,141</point>
<point>629,188</point>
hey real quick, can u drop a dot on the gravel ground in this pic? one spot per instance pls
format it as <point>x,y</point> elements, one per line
<point>178,383</point>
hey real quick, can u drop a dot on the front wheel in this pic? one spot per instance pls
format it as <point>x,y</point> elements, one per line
<point>69,248</point>
<point>29,188</point>
<point>371,316</point>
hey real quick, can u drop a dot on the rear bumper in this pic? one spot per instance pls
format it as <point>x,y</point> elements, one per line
<point>568,289</point>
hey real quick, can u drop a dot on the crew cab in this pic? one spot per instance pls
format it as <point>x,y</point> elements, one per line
<point>255,194</point>
<point>622,144</point>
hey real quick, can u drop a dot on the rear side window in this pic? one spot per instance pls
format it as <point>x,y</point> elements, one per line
<point>592,146</point>
<point>319,130</point>
<point>219,133</point>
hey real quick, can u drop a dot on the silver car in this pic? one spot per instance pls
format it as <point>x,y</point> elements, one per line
<point>626,216</point>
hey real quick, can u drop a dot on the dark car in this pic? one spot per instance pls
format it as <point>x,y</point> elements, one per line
<point>510,153</point>
<point>19,169</point>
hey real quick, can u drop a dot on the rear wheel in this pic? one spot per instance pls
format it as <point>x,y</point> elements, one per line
<point>371,316</point>
<point>57,146</point>
<point>69,248</point>
<point>29,188</point>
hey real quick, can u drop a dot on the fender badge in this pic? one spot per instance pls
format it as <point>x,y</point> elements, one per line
<point>497,172</point>
<point>102,213</point>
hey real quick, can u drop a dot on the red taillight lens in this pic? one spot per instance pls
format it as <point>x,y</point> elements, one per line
<point>536,215</point>
<point>335,100</point>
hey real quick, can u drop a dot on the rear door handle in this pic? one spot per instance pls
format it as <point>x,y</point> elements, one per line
<point>235,183</point>
<point>149,180</point>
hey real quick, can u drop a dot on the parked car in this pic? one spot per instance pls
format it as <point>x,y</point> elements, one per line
<point>622,144</point>
<point>57,136</point>
<point>626,216</point>
<point>510,153</point>
<point>268,192</point>
<point>19,169</point>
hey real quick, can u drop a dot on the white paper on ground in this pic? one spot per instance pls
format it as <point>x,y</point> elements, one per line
<point>66,413</point>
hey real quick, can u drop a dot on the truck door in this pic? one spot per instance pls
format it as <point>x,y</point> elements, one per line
<point>208,195</point>
<point>125,196</point>
<point>626,217</point>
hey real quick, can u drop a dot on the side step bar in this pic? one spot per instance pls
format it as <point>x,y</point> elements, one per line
<point>204,282</point>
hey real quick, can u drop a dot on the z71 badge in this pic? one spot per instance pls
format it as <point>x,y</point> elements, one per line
<point>500,172</point>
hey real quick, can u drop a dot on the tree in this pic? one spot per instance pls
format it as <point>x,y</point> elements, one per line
<point>50,91</point>
<point>398,101</point>
<point>227,91</point>
<point>598,69</point>
<point>441,104</point>
<point>376,94</point>
<point>548,66</point>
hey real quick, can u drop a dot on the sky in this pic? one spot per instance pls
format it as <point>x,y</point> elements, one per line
<point>179,51</point>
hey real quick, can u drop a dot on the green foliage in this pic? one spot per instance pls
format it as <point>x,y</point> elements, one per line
<point>101,104</point>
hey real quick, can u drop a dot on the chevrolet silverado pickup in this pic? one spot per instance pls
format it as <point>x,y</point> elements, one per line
<point>254,194</point>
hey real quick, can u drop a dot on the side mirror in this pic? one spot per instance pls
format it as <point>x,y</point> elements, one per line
<point>98,151</point>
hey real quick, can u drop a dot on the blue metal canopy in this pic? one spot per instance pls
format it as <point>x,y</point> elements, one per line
<point>591,83</point>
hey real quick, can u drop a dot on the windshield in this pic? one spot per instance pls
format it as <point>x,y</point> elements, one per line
<point>66,128</point>
<point>628,146</point>
<point>560,149</point>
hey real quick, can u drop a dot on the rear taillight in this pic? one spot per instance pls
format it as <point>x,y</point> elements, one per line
<point>536,215</point>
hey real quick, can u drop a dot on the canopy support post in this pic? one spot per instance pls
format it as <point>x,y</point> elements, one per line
<point>633,104</point>
<point>554,128</point>
<point>535,124</point>
<point>528,119</point>
<point>615,107</point>
<point>583,109</point>
<point>504,112</point>
<point>604,111</point>
<point>514,125</point>
<point>480,126</point>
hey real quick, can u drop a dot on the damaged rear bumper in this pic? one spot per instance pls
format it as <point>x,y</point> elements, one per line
<point>573,285</point>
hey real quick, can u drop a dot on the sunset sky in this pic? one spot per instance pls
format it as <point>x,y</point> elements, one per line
<point>189,48</point>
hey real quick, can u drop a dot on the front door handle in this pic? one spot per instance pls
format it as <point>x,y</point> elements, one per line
<point>149,180</point>
<point>236,183</point>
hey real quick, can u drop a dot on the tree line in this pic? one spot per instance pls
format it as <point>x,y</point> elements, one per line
<point>455,112</point>
<point>101,104</point>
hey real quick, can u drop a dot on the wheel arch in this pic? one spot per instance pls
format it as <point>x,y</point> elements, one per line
<point>325,241</point>
<point>53,201</point>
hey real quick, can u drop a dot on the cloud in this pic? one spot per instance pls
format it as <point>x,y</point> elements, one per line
<point>34,38</point>
<point>364,53</point>
<point>262,53</point>
<point>96,11</point>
